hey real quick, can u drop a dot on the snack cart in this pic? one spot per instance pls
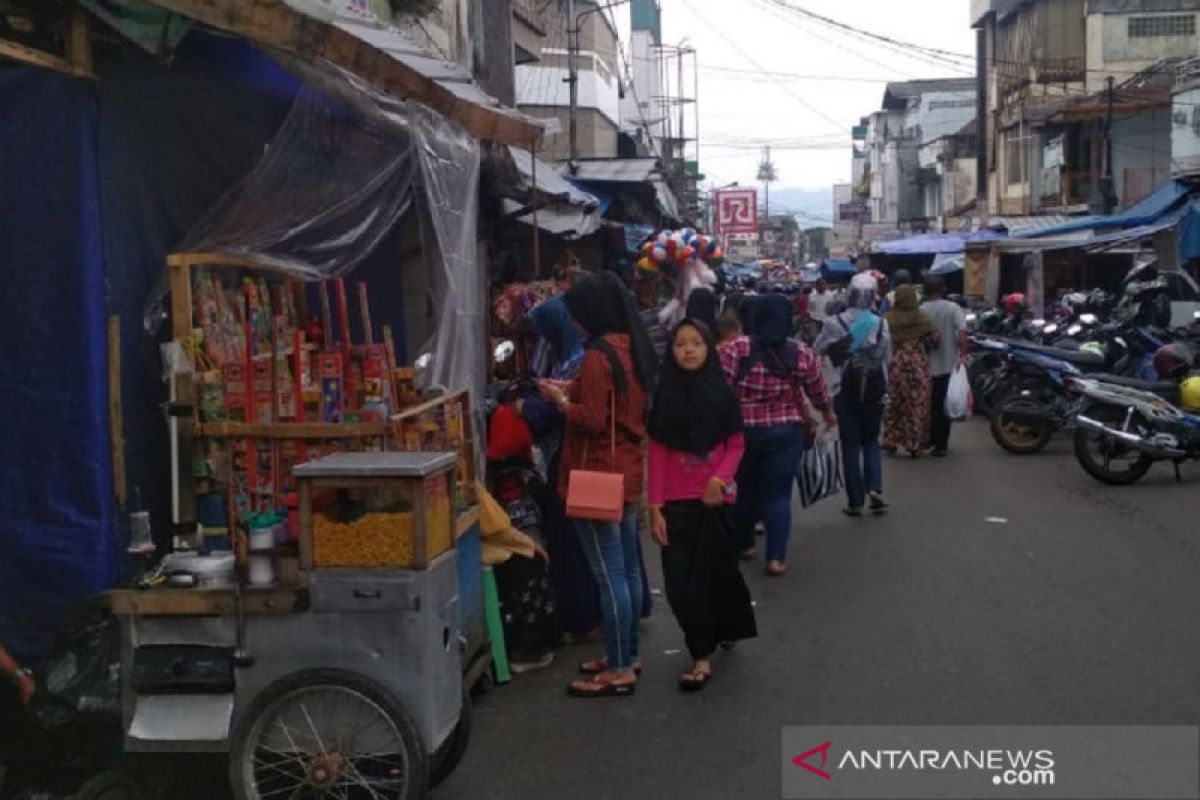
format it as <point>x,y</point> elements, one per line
<point>345,681</point>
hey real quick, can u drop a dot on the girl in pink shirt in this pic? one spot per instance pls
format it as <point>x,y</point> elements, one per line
<point>696,445</point>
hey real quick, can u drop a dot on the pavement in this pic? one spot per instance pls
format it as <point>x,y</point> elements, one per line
<point>999,590</point>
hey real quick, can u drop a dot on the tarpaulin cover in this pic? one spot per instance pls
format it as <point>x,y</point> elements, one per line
<point>57,541</point>
<point>1168,197</point>
<point>935,243</point>
<point>98,182</point>
<point>836,267</point>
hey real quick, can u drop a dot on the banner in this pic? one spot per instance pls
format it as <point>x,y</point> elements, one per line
<point>737,211</point>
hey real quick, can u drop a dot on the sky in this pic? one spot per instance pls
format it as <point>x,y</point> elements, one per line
<point>741,108</point>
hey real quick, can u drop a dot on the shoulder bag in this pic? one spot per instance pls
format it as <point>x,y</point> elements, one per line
<point>597,496</point>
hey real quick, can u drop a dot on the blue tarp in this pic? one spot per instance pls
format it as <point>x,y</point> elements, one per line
<point>929,244</point>
<point>1188,235</point>
<point>839,268</point>
<point>98,183</point>
<point>1167,198</point>
<point>601,191</point>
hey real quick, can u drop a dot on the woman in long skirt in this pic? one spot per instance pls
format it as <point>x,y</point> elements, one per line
<point>696,444</point>
<point>910,387</point>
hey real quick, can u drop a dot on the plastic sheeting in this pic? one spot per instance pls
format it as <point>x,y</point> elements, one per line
<point>1147,211</point>
<point>936,243</point>
<point>334,184</point>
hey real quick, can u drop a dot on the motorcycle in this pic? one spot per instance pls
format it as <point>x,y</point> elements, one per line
<point>1121,431</point>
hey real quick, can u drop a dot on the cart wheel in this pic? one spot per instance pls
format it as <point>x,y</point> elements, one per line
<point>327,734</point>
<point>450,754</point>
<point>113,785</point>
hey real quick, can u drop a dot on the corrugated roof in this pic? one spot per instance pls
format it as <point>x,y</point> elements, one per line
<point>613,170</point>
<point>549,183</point>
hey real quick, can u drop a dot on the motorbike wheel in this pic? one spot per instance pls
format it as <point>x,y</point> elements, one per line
<point>1107,461</point>
<point>1017,438</point>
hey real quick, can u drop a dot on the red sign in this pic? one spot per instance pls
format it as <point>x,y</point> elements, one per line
<point>737,211</point>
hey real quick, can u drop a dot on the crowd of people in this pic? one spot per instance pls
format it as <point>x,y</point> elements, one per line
<point>706,422</point>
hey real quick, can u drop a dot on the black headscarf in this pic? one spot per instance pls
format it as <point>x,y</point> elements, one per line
<point>702,306</point>
<point>693,412</point>
<point>601,305</point>
<point>770,332</point>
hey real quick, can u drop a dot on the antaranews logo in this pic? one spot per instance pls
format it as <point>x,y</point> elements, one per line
<point>1007,767</point>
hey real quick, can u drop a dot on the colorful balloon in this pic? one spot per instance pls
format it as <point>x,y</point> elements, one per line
<point>659,253</point>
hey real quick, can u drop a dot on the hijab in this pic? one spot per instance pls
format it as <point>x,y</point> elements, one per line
<point>552,321</point>
<point>702,307</point>
<point>864,291</point>
<point>906,319</point>
<point>770,332</point>
<point>693,412</point>
<point>602,306</point>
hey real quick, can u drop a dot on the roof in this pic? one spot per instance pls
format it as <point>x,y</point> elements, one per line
<point>378,54</point>
<point>612,170</point>
<point>1168,197</point>
<point>935,243</point>
<point>549,183</point>
<point>897,95</point>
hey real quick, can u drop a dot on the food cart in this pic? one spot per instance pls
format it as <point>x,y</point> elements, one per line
<point>347,682</point>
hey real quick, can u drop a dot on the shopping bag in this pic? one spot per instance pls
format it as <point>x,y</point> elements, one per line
<point>958,396</point>
<point>819,474</point>
<point>597,496</point>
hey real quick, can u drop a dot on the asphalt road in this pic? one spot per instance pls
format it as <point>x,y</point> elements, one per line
<point>1000,590</point>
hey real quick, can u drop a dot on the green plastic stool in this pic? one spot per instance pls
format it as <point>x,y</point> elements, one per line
<point>495,626</point>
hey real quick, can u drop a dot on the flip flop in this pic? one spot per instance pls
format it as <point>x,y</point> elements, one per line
<point>601,689</point>
<point>598,665</point>
<point>692,682</point>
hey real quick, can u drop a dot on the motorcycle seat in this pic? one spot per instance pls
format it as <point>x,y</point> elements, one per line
<point>1167,390</point>
<point>1080,358</point>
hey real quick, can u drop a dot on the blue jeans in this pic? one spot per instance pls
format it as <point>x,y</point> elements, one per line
<point>612,553</point>
<point>765,481</point>
<point>858,428</point>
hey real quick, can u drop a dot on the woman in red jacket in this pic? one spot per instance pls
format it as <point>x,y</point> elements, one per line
<point>614,379</point>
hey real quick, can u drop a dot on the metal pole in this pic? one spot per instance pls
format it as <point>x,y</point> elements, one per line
<point>682,109</point>
<point>696,102</point>
<point>1108,187</point>
<point>536,200</point>
<point>573,80</point>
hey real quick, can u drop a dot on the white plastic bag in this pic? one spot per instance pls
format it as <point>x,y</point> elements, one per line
<point>819,473</point>
<point>958,396</point>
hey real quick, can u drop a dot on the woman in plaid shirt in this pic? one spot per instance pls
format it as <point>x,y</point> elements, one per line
<point>776,379</point>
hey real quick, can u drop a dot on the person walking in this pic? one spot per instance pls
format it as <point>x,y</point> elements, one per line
<point>696,445</point>
<point>775,378</point>
<point>907,419</point>
<point>950,321</point>
<point>607,400</point>
<point>858,342</point>
<point>819,300</point>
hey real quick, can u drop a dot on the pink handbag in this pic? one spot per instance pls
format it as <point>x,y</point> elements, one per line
<point>597,496</point>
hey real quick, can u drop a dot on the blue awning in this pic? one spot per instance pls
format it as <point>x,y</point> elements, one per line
<point>929,244</point>
<point>837,267</point>
<point>600,191</point>
<point>1167,198</point>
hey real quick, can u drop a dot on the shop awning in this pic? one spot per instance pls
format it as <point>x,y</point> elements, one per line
<point>1168,197</point>
<point>935,243</point>
<point>558,219</point>
<point>550,184</point>
<point>381,56</point>
<point>838,268</point>
<point>612,170</point>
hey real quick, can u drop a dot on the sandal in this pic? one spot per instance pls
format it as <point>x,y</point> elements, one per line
<point>776,569</point>
<point>595,688</point>
<point>692,682</point>
<point>852,512</point>
<point>748,554</point>
<point>878,504</point>
<point>598,665</point>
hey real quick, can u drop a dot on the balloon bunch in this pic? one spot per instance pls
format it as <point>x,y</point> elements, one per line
<point>677,248</point>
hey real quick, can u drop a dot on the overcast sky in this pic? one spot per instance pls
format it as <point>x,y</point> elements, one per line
<point>738,40</point>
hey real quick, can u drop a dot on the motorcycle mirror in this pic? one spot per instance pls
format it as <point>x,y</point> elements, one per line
<point>504,352</point>
<point>1088,319</point>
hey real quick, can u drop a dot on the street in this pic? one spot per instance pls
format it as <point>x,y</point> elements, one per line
<point>999,590</point>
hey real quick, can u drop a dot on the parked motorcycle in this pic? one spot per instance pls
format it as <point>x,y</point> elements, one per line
<point>1121,431</point>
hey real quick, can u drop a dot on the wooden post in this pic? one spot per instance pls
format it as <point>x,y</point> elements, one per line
<point>79,42</point>
<point>179,273</point>
<point>537,232</point>
<point>364,309</point>
<point>116,426</point>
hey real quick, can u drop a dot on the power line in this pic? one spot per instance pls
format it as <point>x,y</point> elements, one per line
<point>753,61</point>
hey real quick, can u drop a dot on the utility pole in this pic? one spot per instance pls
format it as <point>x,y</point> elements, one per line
<point>573,80</point>
<point>1107,184</point>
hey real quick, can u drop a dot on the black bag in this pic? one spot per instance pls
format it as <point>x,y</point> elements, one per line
<point>865,374</point>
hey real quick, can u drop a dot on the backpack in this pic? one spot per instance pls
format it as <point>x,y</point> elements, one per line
<point>865,373</point>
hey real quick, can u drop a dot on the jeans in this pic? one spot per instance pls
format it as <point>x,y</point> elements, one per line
<point>858,428</point>
<point>939,434</point>
<point>765,481</point>
<point>611,550</point>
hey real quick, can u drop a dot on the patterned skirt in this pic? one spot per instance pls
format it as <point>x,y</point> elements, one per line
<point>910,390</point>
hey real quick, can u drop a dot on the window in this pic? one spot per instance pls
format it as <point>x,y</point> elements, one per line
<point>1013,157</point>
<point>1174,25</point>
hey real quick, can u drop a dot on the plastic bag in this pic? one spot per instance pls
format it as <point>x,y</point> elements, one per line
<point>958,396</point>
<point>819,473</point>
